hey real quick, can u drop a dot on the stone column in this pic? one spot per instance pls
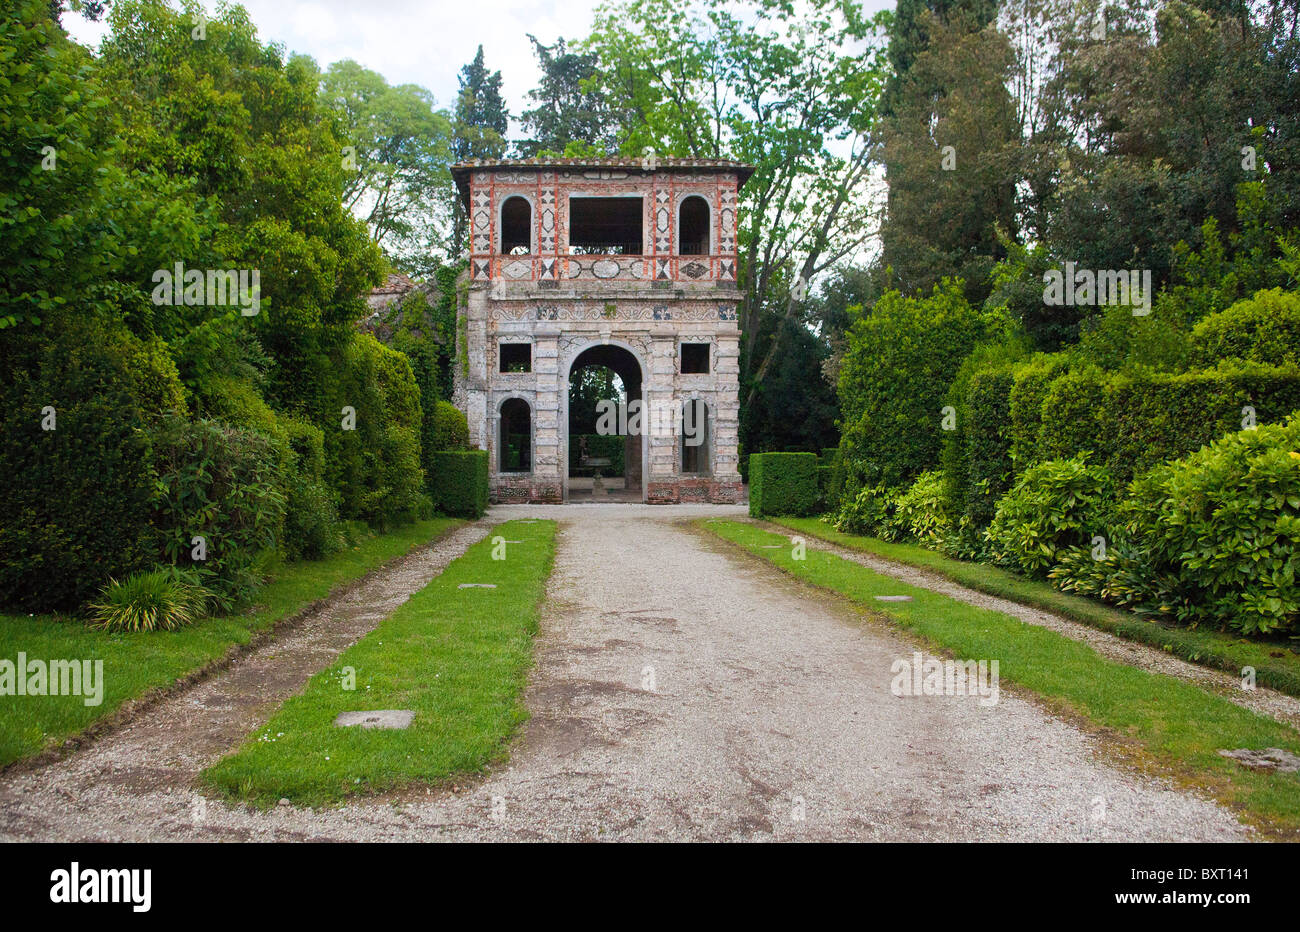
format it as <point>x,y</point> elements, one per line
<point>548,484</point>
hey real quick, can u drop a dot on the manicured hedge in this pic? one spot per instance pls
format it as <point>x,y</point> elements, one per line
<point>783,484</point>
<point>449,431</point>
<point>899,362</point>
<point>459,483</point>
<point>1133,422</point>
<point>984,435</point>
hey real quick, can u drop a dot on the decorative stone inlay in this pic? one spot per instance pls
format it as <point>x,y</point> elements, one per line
<point>399,719</point>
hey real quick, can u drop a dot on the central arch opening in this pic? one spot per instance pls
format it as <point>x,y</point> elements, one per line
<point>604,452</point>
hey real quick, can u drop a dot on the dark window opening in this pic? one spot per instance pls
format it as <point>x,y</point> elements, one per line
<point>516,357</point>
<point>516,227</point>
<point>693,227</point>
<point>695,437</point>
<point>515,454</point>
<point>605,226</point>
<point>695,358</point>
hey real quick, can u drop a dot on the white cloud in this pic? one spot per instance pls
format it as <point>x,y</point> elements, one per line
<point>408,41</point>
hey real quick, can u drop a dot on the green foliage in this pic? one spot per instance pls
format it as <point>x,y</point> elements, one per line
<point>1030,383</point>
<point>603,446</point>
<point>1263,328</point>
<point>1055,505</point>
<point>1216,536</point>
<point>459,482</point>
<point>869,512</point>
<point>896,370</point>
<point>375,467</point>
<point>946,205</point>
<point>450,428</point>
<point>783,484</point>
<point>76,502</point>
<point>1132,421</point>
<point>159,600</point>
<point>1116,339</point>
<point>921,510</point>
<point>226,485</point>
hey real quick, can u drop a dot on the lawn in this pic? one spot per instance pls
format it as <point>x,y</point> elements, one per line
<point>1276,663</point>
<point>136,663</point>
<point>458,658</point>
<point>1177,727</point>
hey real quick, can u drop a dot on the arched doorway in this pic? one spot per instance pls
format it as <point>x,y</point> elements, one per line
<point>604,457</point>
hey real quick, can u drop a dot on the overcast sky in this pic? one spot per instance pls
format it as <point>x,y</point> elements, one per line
<point>409,41</point>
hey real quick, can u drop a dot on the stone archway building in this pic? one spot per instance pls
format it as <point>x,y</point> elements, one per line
<point>571,254</point>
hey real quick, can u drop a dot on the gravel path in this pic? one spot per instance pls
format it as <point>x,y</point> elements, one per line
<point>682,691</point>
<point>1278,705</point>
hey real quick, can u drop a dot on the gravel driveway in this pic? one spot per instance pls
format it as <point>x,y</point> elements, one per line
<point>683,691</point>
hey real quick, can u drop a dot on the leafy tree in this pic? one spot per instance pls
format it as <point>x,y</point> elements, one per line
<point>794,95</point>
<point>478,132</point>
<point>950,148</point>
<point>570,114</point>
<point>399,152</point>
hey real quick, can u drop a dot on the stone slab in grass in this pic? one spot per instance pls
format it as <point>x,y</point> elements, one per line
<point>477,585</point>
<point>1271,759</point>
<point>379,718</point>
<point>893,598</point>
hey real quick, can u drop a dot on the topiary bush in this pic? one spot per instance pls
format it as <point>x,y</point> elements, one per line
<point>1263,328</point>
<point>460,482</point>
<point>783,484</point>
<point>450,428</point>
<point>1055,505</point>
<point>372,453</point>
<point>899,362</point>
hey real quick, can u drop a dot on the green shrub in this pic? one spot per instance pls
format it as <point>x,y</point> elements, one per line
<point>375,466</point>
<point>921,511</point>
<point>899,362</point>
<point>158,600</point>
<point>450,428</point>
<point>311,521</point>
<point>1055,505</point>
<point>869,512</point>
<point>1130,422</point>
<point>1030,383</point>
<point>1077,417</point>
<point>460,482</point>
<point>783,484</point>
<point>977,453</point>
<point>76,502</point>
<point>1263,328</point>
<point>1215,537</point>
<point>225,485</point>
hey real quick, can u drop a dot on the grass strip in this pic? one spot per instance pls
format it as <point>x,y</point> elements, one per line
<point>457,657</point>
<point>136,663</point>
<point>1178,726</point>
<point>1276,663</point>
